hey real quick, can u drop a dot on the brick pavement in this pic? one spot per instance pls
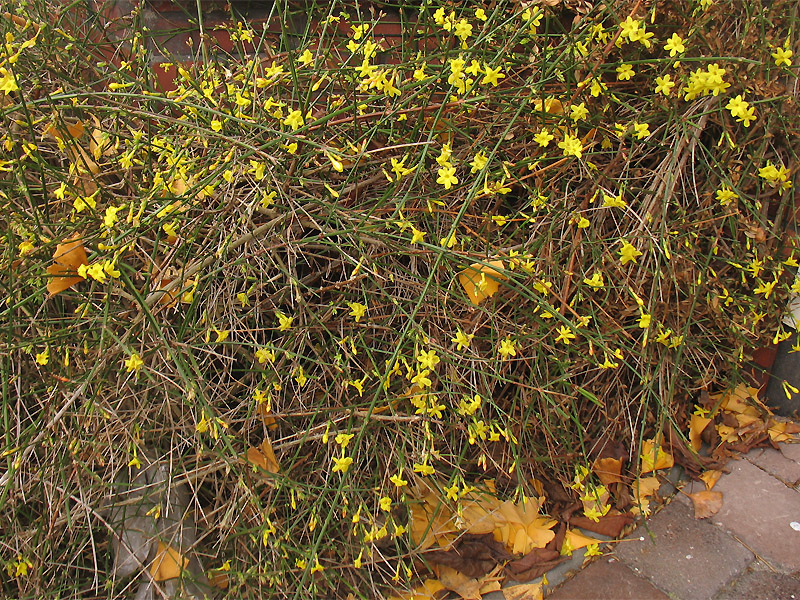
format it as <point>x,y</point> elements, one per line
<point>749,550</point>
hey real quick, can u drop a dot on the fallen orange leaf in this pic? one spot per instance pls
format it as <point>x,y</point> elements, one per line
<point>430,590</point>
<point>67,258</point>
<point>655,457</point>
<point>552,106</point>
<point>608,470</point>
<point>645,487</point>
<point>778,431</point>
<point>168,563</point>
<point>574,539</point>
<point>467,588</point>
<point>481,281</point>
<point>710,478</point>
<point>525,591</point>
<point>697,425</point>
<point>706,503</point>
<point>264,457</point>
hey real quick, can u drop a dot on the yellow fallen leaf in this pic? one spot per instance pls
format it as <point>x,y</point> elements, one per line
<point>168,563</point>
<point>710,478</point>
<point>525,591</point>
<point>744,419</point>
<point>706,503</point>
<point>655,457</point>
<point>777,431</point>
<point>608,470</point>
<point>432,589</point>
<point>431,522</point>
<point>552,106</point>
<point>455,581</point>
<point>481,281</point>
<point>645,487</point>
<point>575,539</point>
<point>67,258</point>
<point>696,427</point>
<point>520,528</point>
<point>738,401</point>
<point>727,434</point>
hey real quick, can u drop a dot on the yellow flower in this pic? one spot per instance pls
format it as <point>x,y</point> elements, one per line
<point>491,75</point>
<point>479,162</point>
<point>578,112</point>
<point>447,177</point>
<point>294,120</point>
<point>571,146</point>
<point>641,130</point>
<point>284,322</point>
<point>625,72</point>
<point>428,359</point>
<point>508,348</point>
<point>424,469</point>
<point>462,339</point>
<point>565,335</point>
<point>341,465</point>
<point>664,84</point>
<point>416,235</point>
<point>543,138</point>
<point>726,195</point>
<point>134,363</point>
<point>675,45</point>
<point>452,492</point>
<point>343,439</point>
<point>628,253</point>
<point>25,248</point>
<point>398,480</point>
<point>357,310</point>
<point>595,281</point>
<point>264,355</point>
<point>782,56</point>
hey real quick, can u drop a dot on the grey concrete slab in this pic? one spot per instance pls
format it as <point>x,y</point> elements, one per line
<point>607,580</point>
<point>762,512</point>
<point>776,464</point>
<point>686,558</point>
<point>762,585</point>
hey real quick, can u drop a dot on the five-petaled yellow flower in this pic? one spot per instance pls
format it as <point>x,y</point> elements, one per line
<point>357,310</point>
<point>508,348</point>
<point>341,465</point>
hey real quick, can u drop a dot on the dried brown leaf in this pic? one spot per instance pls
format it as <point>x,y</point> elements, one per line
<point>534,564</point>
<point>609,525</point>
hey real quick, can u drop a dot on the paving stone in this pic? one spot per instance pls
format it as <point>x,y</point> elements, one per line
<point>686,558</point>
<point>791,451</point>
<point>604,580</point>
<point>775,463</point>
<point>762,585</point>
<point>762,512</point>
